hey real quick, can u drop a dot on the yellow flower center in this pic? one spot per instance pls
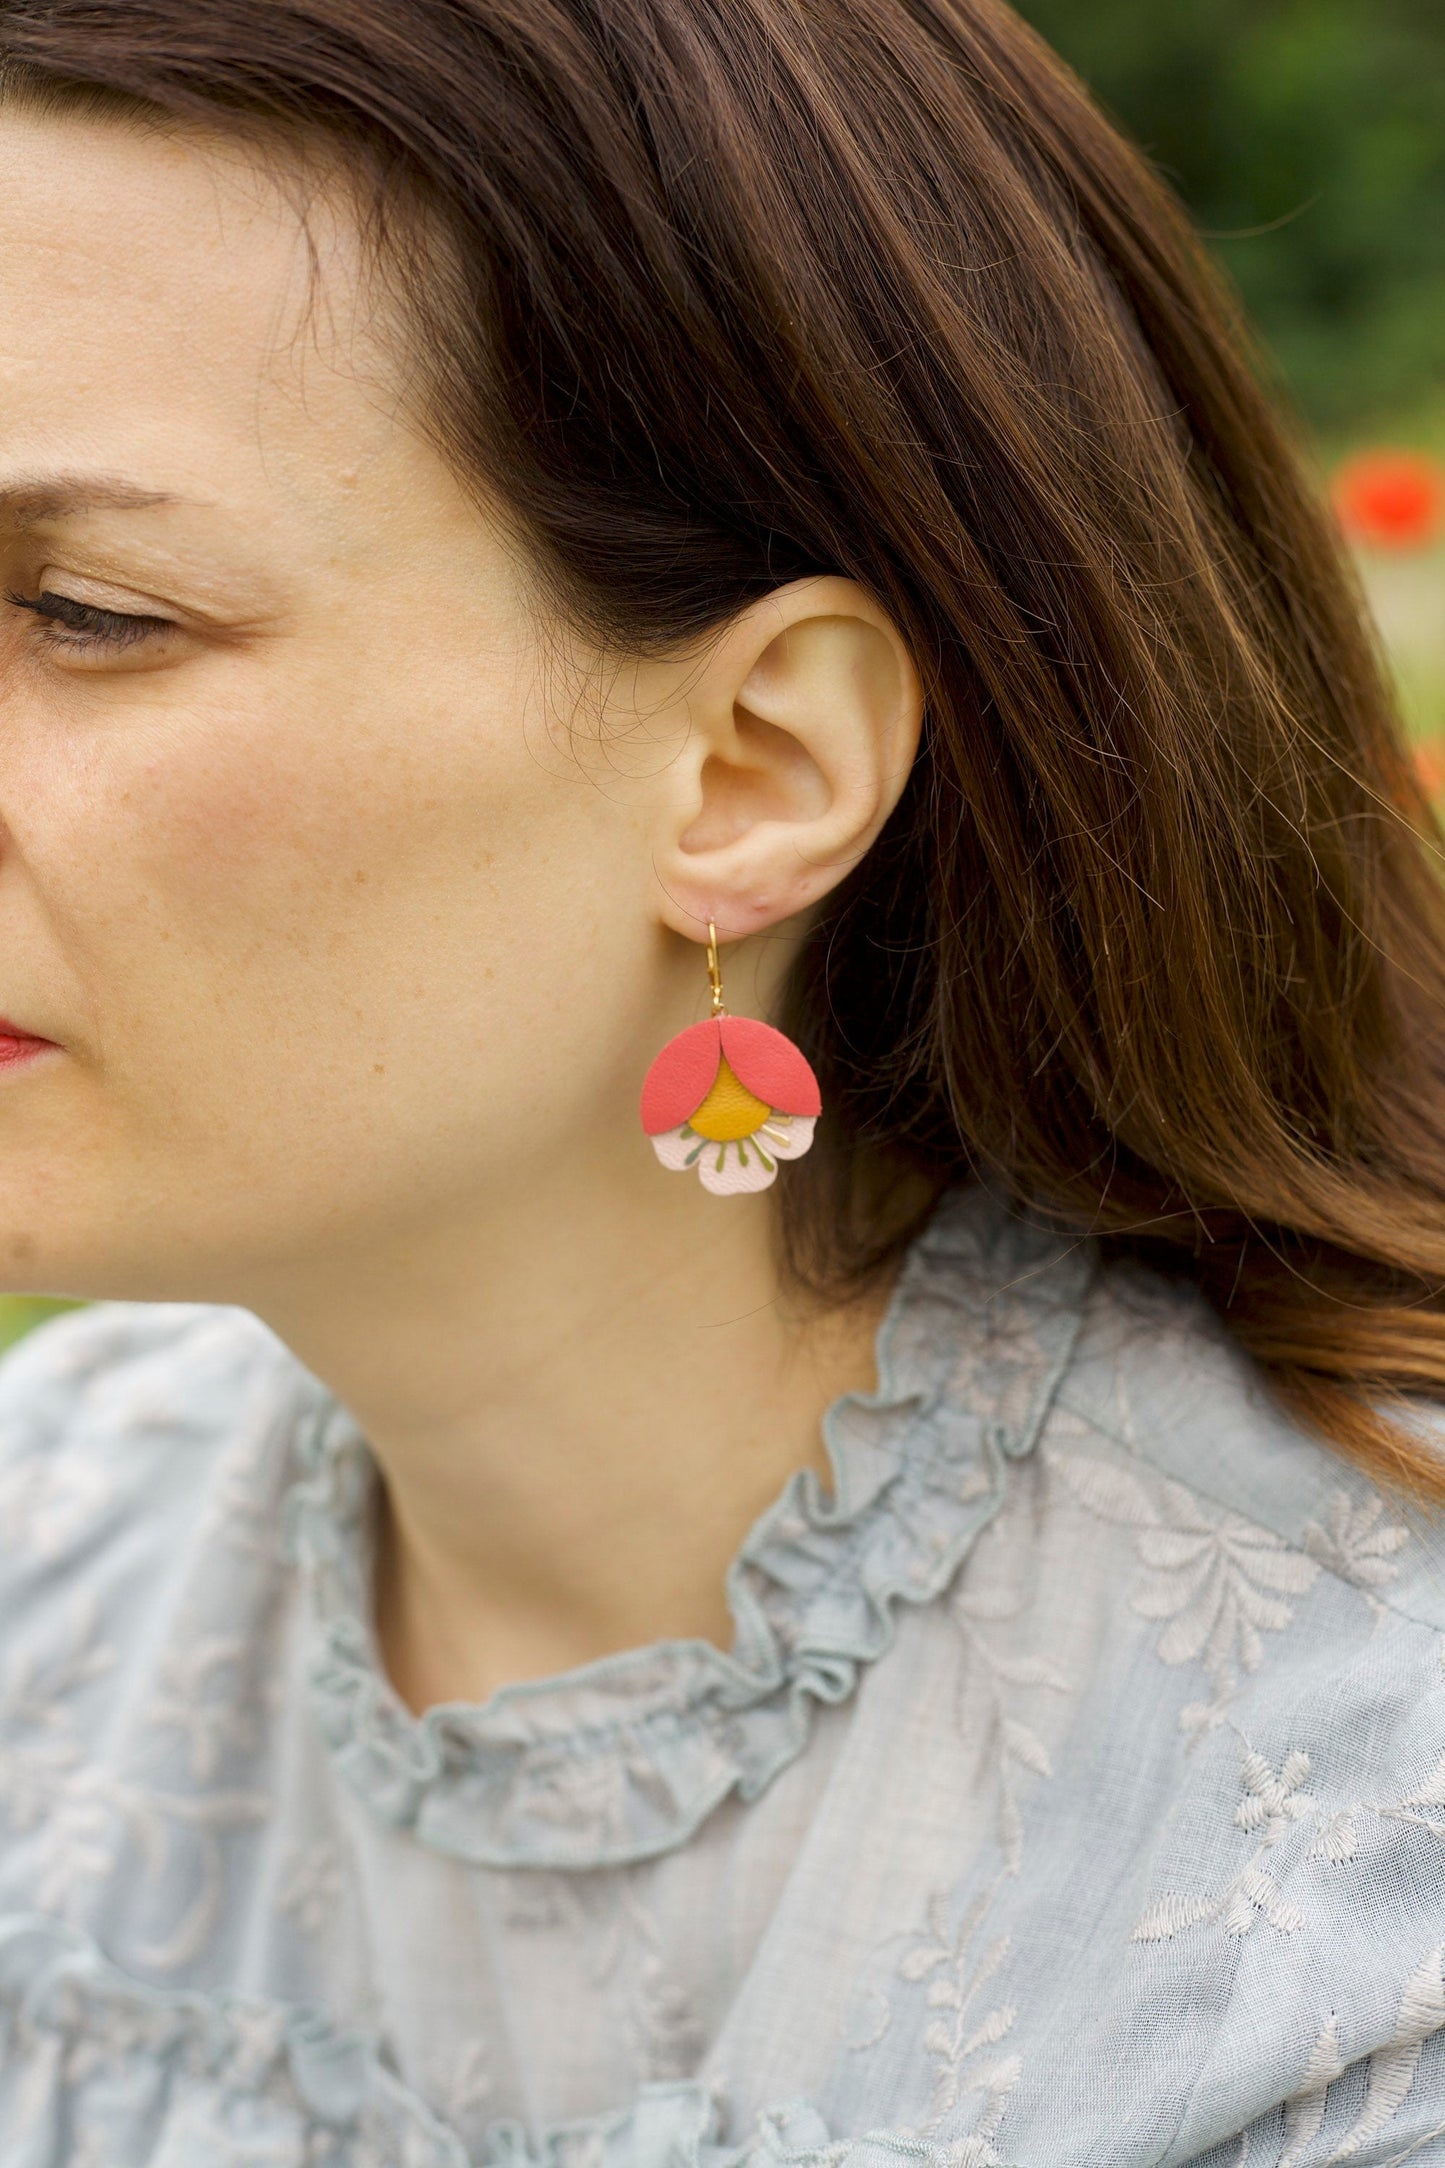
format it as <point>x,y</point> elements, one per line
<point>729,1110</point>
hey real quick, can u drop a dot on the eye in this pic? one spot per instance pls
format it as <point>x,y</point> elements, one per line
<point>80,626</point>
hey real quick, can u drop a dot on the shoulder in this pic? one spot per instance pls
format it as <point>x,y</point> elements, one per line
<point>1274,1688</point>
<point>79,1367</point>
<point>122,1425</point>
<point>144,1454</point>
<point>1149,1412</point>
<point>1227,1651</point>
<point>1163,1421</point>
<point>145,1372</point>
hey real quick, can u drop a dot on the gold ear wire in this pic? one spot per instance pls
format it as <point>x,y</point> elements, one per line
<point>714,970</point>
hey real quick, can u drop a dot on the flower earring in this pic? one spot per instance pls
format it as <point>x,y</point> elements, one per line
<point>729,1097</point>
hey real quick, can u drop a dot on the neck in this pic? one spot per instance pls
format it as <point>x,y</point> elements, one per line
<point>577,1416</point>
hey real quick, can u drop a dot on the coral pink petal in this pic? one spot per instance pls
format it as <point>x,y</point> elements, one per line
<point>769,1065</point>
<point>681,1077</point>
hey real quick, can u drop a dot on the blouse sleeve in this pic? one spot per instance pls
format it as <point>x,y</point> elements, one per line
<point>111,1417</point>
<point>1331,1966</point>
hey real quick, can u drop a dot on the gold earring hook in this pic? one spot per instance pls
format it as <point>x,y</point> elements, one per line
<point>714,970</point>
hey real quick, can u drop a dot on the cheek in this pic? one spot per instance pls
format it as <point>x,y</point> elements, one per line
<point>209,850</point>
<point>336,937</point>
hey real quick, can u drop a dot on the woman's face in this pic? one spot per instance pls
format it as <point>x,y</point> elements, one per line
<point>332,929</point>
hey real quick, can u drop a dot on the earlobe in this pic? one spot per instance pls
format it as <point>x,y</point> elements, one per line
<point>804,723</point>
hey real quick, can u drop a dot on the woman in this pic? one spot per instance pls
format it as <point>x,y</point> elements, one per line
<point>927,1651</point>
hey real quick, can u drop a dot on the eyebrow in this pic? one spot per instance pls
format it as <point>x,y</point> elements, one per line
<point>31,498</point>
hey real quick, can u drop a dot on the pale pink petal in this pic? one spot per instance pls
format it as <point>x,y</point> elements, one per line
<point>787,1136</point>
<point>674,1146</point>
<point>731,1170</point>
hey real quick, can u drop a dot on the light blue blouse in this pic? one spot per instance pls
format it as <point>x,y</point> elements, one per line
<point>1072,1796</point>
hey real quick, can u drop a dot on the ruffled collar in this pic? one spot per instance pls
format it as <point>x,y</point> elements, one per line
<point>623,1758</point>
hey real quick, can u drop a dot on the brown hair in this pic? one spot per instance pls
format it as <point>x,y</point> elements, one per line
<point>743,290</point>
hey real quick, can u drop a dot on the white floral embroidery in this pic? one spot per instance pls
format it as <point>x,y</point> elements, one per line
<point>40,2061</point>
<point>954,1988</point>
<point>1356,1540</point>
<point>669,2040</point>
<point>97,1812</point>
<point>48,1502</point>
<point>997,2084</point>
<point>462,2082</point>
<point>234,2063</point>
<point>1217,1582</point>
<point>237,1510</point>
<point>137,1402</point>
<point>1338,1837</point>
<point>80,1814</point>
<point>616,1924</point>
<point>1269,1802</point>
<point>962,2029</point>
<point>185,1700</point>
<point>1424,1807</point>
<point>311,1885</point>
<point>1392,2069</point>
<point>33,1776</point>
<point>1305,2110</point>
<point>1017,1748</point>
<point>78,1842</point>
<point>35,1683</point>
<point>37,1771</point>
<point>999,1360</point>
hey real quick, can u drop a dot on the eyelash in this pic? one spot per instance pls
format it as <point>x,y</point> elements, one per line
<point>72,624</point>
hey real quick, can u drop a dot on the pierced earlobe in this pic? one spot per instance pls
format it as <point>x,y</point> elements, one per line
<point>729,1098</point>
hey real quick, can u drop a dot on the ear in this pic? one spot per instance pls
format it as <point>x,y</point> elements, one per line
<point>804,720</point>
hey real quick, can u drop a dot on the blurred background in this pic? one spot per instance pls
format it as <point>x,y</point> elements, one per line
<point>1308,138</point>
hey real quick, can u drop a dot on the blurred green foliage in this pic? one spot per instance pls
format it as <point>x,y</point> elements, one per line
<point>1308,138</point>
<point>18,1313</point>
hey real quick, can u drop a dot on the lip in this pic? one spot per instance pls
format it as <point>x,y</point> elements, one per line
<point>17,1044</point>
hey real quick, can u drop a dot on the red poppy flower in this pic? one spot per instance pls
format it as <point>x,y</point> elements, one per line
<point>730,1097</point>
<point>1430,765</point>
<point>1392,500</point>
